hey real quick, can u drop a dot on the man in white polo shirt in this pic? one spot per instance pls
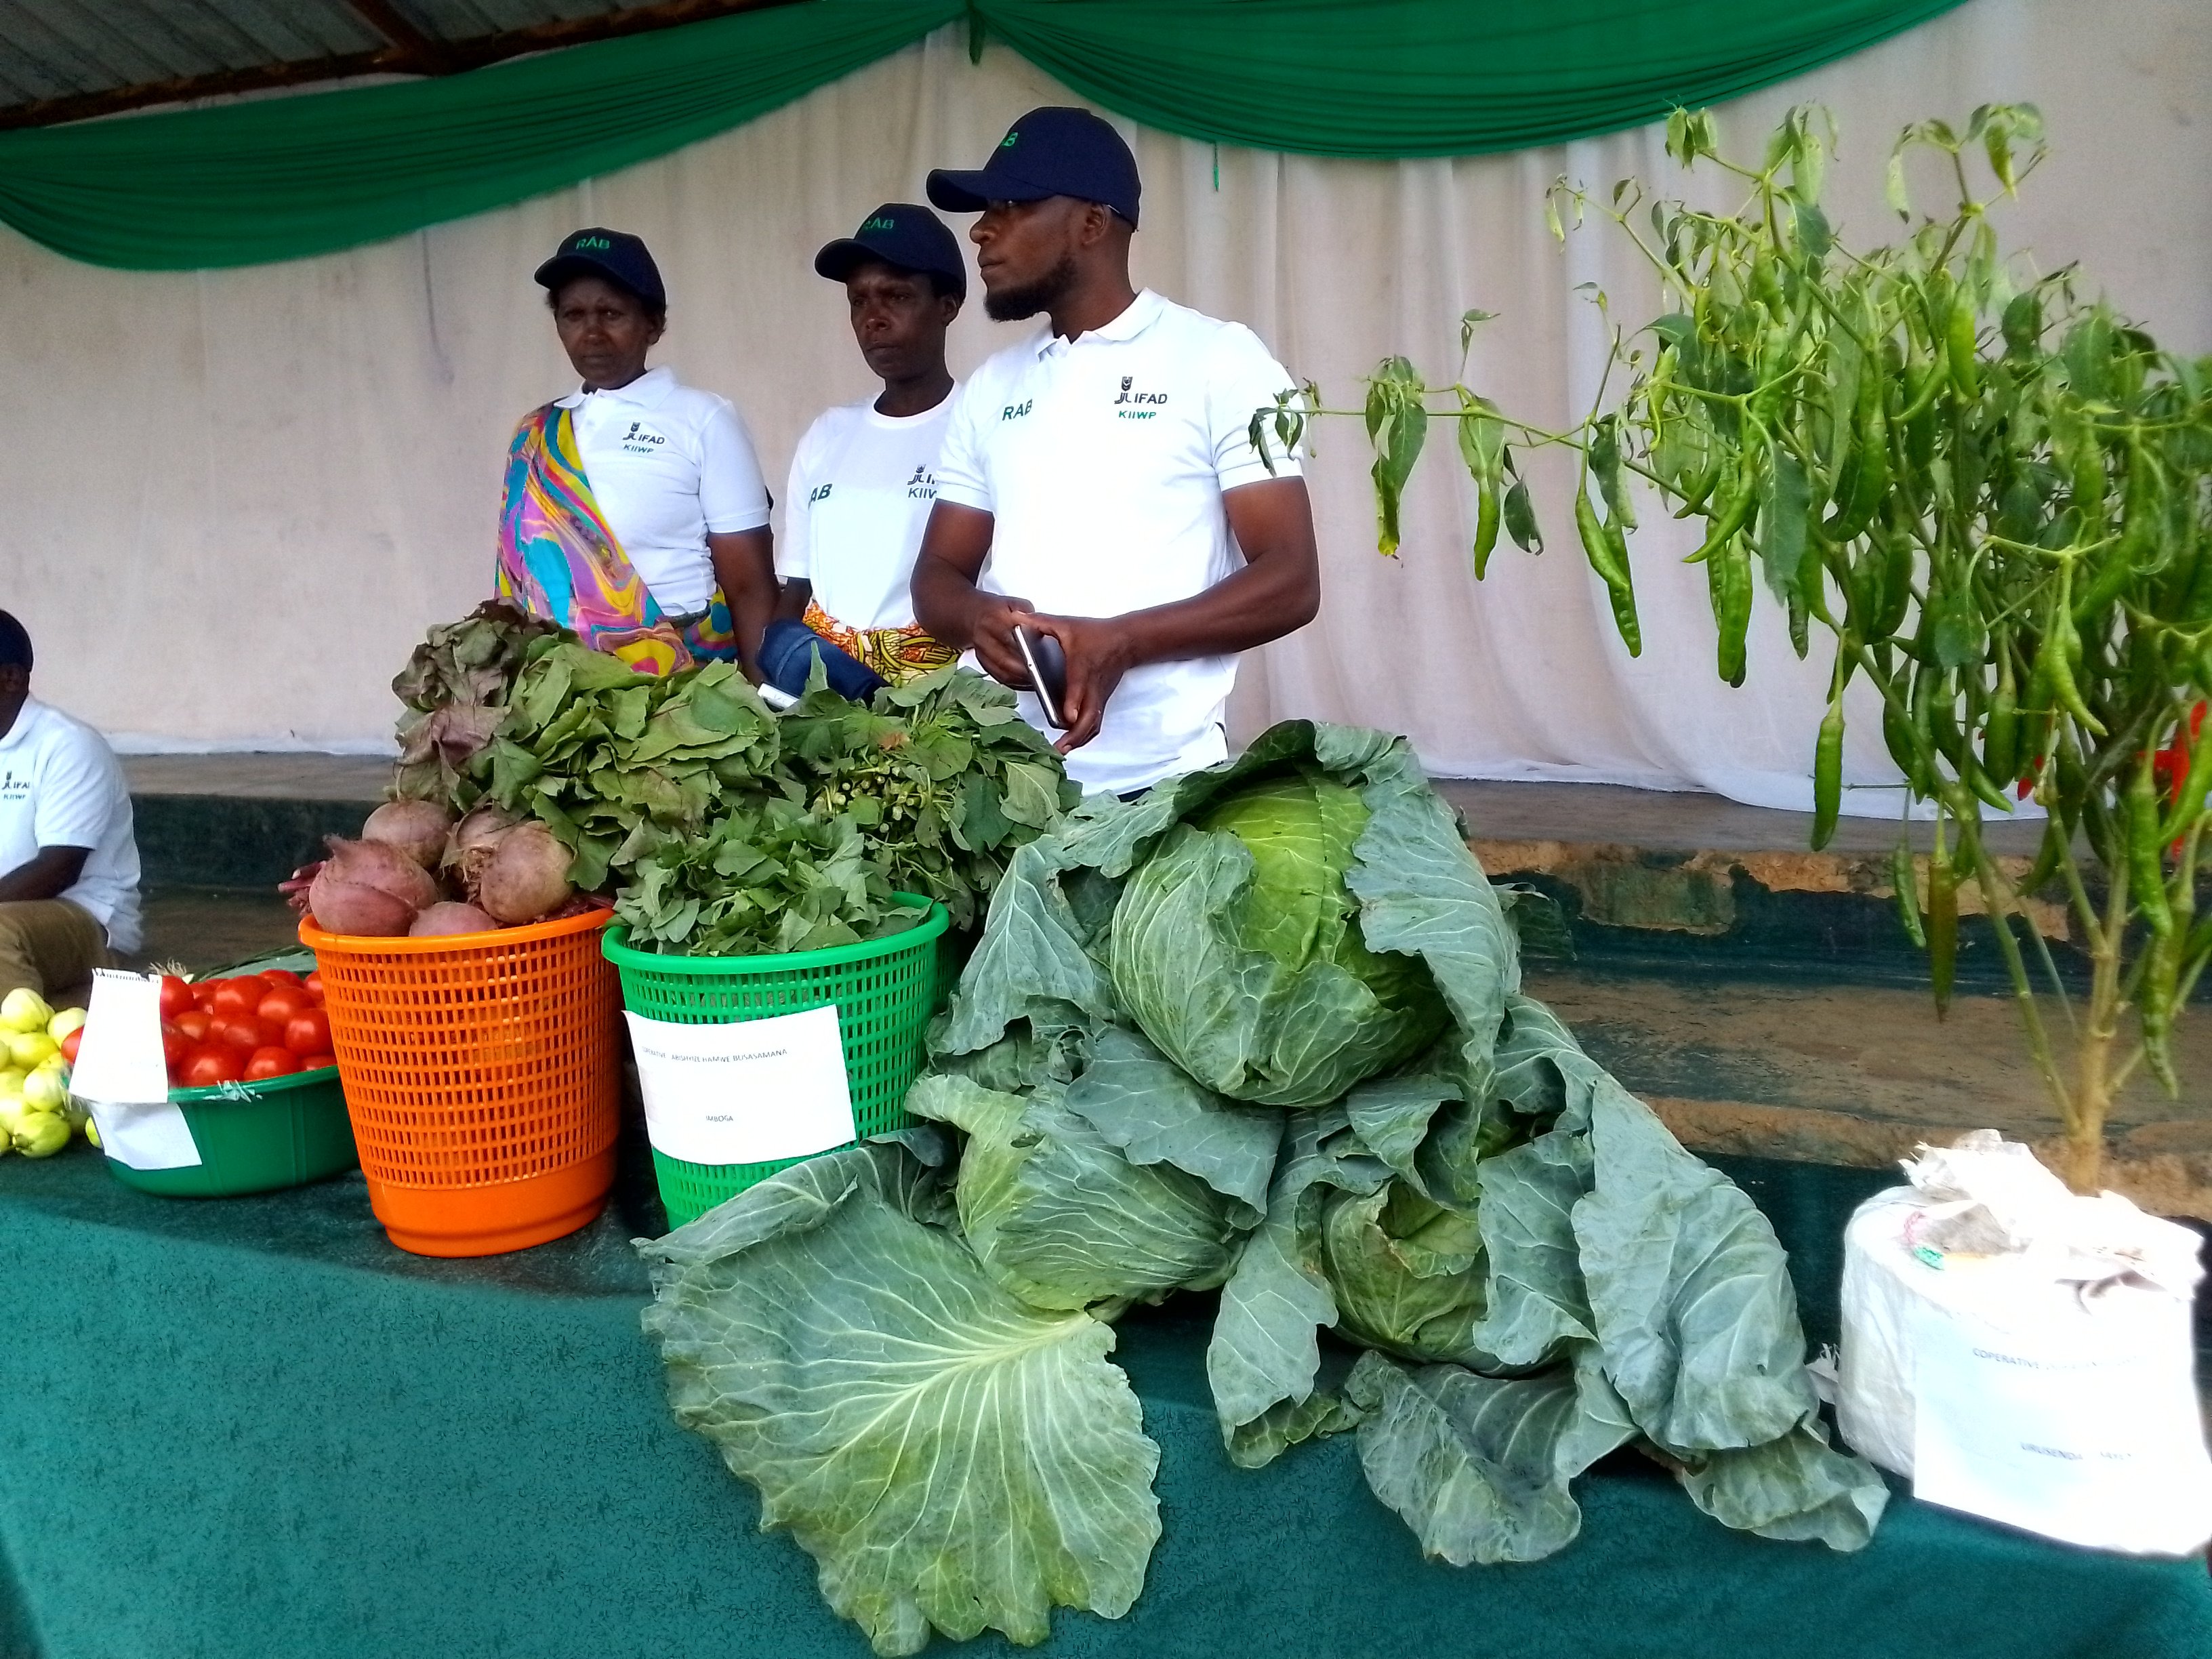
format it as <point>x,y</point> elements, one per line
<point>69,863</point>
<point>1097,482</point>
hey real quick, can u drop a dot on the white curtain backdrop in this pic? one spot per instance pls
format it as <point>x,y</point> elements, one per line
<point>233,500</point>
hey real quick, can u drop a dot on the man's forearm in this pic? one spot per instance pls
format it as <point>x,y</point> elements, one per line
<point>945,602</point>
<point>1244,610</point>
<point>47,876</point>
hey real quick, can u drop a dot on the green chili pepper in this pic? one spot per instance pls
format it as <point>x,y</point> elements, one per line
<point>1801,623</point>
<point>1605,461</point>
<point>1727,575</point>
<point>1921,396</point>
<point>1902,877</point>
<point>1828,770</point>
<point>1701,491</point>
<point>1964,367</point>
<point>2155,1006</point>
<point>1870,482</point>
<point>1896,584</point>
<point>1485,526</point>
<point>2146,852</point>
<point>2067,641</point>
<point>1897,733</point>
<point>1942,923</point>
<point>1735,512</point>
<point>1608,551</point>
<point>2001,734</point>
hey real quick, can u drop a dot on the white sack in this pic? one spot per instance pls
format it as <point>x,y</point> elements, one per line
<point>2025,1354</point>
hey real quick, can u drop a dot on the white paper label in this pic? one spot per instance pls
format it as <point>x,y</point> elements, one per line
<point>2092,1445</point>
<point>123,1077</point>
<point>747,1093</point>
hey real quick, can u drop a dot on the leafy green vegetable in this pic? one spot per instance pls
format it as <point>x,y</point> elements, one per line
<point>1236,948</point>
<point>951,1457</point>
<point>941,773</point>
<point>758,882</point>
<point>1060,1217</point>
<point>454,688</point>
<point>613,762</point>
<point>1537,1273</point>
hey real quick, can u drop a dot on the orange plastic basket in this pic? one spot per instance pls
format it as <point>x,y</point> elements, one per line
<point>481,1074</point>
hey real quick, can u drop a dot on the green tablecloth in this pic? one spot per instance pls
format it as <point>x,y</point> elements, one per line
<point>254,1431</point>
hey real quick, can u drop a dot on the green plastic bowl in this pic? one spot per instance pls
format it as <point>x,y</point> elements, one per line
<point>256,1137</point>
<point>885,991</point>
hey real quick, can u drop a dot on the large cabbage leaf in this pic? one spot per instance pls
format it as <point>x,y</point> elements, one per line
<point>1060,1217</point>
<point>951,1455</point>
<point>1479,1466</point>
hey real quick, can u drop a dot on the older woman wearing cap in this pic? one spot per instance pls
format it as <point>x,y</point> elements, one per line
<point>634,511</point>
<point>864,477</point>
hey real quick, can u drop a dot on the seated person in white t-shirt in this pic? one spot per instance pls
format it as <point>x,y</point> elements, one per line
<point>634,511</point>
<point>69,864</point>
<point>865,477</point>
<point>1097,482</point>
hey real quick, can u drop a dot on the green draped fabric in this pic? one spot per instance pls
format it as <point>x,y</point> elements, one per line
<point>282,178</point>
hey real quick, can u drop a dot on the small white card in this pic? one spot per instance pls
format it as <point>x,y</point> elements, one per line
<point>123,1077</point>
<point>750,1092</point>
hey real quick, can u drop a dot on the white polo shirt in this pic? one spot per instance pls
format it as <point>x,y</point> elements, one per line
<point>60,787</point>
<point>861,486</point>
<point>669,464</point>
<point>1103,462</point>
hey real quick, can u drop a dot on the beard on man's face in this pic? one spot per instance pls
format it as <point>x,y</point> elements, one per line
<point>1012,304</point>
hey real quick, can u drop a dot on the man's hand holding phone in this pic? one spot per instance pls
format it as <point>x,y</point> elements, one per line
<point>1096,652</point>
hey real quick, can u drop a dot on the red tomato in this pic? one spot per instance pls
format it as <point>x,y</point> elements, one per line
<point>244,1034</point>
<point>316,1062</point>
<point>211,1065</point>
<point>271,1062</point>
<point>193,1024</point>
<point>203,995</point>
<point>234,997</point>
<point>312,985</point>
<point>308,1032</point>
<point>176,996</point>
<point>175,1046</point>
<point>278,1006</point>
<point>281,979</point>
<point>69,1044</point>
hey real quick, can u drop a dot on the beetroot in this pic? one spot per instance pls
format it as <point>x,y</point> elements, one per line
<point>447,918</point>
<point>378,864</point>
<point>416,828</point>
<point>356,907</point>
<point>471,844</point>
<point>528,875</point>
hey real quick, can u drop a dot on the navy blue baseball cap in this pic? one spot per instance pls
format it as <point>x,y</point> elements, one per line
<point>616,254</point>
<point>1051,151</point>
<point>903,236</point>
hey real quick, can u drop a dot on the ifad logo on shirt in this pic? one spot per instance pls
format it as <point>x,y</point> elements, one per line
<point>640,439</point>
<point>1133,405</point>
<point>922,487</point>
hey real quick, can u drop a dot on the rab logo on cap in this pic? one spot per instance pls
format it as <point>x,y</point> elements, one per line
<point>1007,143</point>
<point>598,242</point>
<point>881,224</point>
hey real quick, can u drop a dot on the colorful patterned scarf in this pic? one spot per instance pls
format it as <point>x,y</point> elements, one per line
<point>898,654</point>
<point>560,559</point>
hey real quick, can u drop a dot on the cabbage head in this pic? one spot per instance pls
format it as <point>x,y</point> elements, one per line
<point>1237,949</point>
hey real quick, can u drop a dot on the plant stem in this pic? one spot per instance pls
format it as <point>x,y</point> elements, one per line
<point>2092,1077</point>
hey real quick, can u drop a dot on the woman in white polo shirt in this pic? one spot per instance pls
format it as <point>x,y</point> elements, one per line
<point>635,512</point>
<point>865,475</point>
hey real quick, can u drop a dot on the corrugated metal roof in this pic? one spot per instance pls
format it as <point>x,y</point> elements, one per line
<point>92,53</point>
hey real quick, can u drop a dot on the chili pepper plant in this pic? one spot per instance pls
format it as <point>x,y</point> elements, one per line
<point>1988,492</point>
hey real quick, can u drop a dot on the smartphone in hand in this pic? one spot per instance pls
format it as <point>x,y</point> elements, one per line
<point>1047,666</point>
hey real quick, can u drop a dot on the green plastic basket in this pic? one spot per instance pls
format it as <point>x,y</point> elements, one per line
<point>256,1137</point>
<point>884,990</point>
